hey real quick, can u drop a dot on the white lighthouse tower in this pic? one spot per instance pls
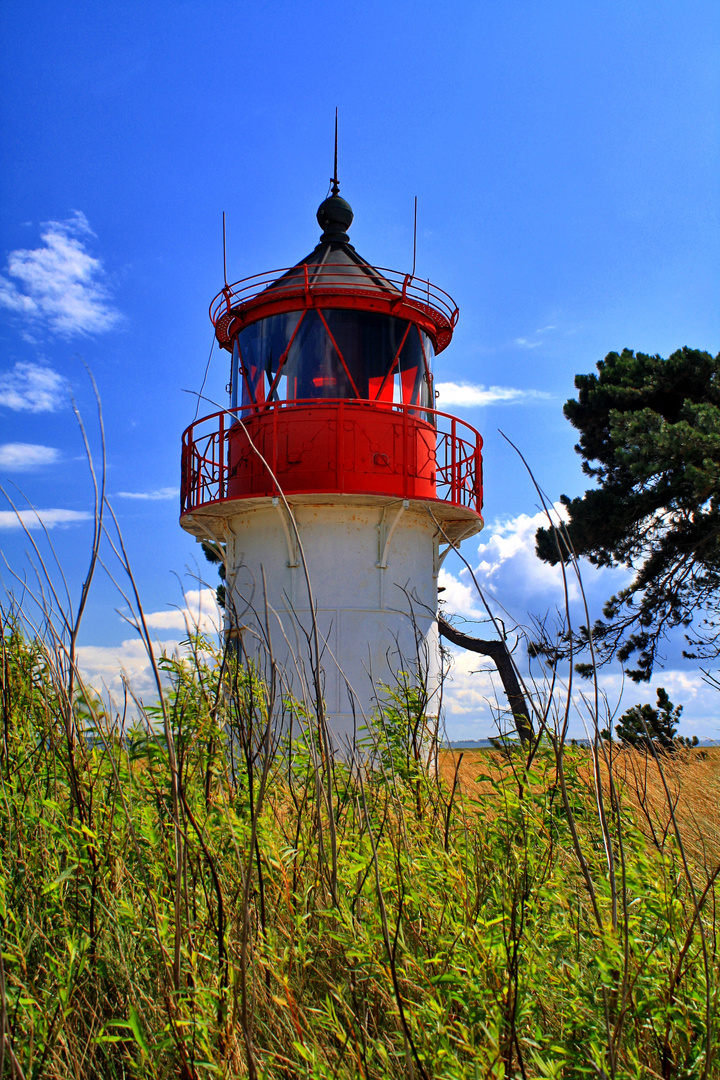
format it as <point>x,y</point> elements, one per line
<point>334,484</point>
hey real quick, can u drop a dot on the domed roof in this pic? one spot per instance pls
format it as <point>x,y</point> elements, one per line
<point>335,263</point>
<point>334,275</point>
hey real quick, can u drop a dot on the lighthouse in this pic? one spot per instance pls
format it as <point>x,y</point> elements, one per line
<point>331,480</point>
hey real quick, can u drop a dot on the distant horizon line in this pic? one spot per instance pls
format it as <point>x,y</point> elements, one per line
<point>473,744</point>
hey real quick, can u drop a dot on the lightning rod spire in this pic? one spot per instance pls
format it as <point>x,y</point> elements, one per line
<point>334,179</point>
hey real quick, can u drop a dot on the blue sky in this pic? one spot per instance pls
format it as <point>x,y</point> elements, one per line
<point>565,158</point>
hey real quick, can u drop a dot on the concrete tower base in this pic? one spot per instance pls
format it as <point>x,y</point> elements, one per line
<point>372,566</point>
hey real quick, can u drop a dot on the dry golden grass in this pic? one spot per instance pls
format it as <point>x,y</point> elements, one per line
<point>692,778</point>
<point>693,784</point>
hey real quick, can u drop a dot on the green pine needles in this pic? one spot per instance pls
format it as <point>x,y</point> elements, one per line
<point>649,438</point>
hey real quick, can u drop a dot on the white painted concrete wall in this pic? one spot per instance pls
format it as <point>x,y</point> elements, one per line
<point>374,620</point>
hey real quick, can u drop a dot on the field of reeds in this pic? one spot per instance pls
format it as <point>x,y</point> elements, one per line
<point>187,896</point>
<point>187,892</point>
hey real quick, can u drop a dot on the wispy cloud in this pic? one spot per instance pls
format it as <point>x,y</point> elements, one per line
<point>32,388</point>
<point>60,284</point>
<point>535,342</point>
<point>159,493</point>
<point>21,457</point>
<point>37,519</point>
<point>474,395</point>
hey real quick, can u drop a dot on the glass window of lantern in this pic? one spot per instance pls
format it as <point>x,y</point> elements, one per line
<point>313,368</point>
<point>429,351</point>
<point>412,370</point>
<point>369,343</point>
<point>335,353</point>
<point>262,345</point>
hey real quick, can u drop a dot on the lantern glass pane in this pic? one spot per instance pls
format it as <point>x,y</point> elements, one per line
<point>343,354</point>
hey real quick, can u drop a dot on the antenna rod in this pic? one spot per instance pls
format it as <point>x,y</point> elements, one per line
<point>414,239</point>
<point>335,183</point>
<point>224,252</point>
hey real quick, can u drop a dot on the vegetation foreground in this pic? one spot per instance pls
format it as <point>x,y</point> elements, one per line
<point>203,903</point>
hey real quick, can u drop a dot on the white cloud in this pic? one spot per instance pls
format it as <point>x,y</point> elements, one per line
<point>60,284</point>
<point>469,695</point>
<point>514,581</point>
<point>159,493</point>
<point>36,519</point>
<point>199,610</point>
<point>507,557</point>
<point>459,598</point>
<point>107,667</point>
<point>470,395</point>
<point>511,575</point>
<point>473,698</point>
<point>20,457</point>
<point>32,388</point>
<point>104,666</point>
<point>527,344</point>
<point>509,570</point>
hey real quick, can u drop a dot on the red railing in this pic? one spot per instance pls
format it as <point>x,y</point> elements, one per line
<point>333,284</point>
<point>425,454</point>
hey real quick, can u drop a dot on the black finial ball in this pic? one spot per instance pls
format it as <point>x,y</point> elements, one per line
<point>335,217</point>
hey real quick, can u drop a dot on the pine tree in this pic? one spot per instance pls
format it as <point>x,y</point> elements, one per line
<point>642,725</point>
<point>650,439</point>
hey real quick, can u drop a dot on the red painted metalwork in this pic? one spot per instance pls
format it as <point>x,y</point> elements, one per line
<point>338,446</point>
<point>334,285</point>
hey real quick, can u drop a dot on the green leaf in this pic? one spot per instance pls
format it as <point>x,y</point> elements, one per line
<point>136,1027</point>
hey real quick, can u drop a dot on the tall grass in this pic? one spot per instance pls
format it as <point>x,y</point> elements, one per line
<point>171,905</point>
